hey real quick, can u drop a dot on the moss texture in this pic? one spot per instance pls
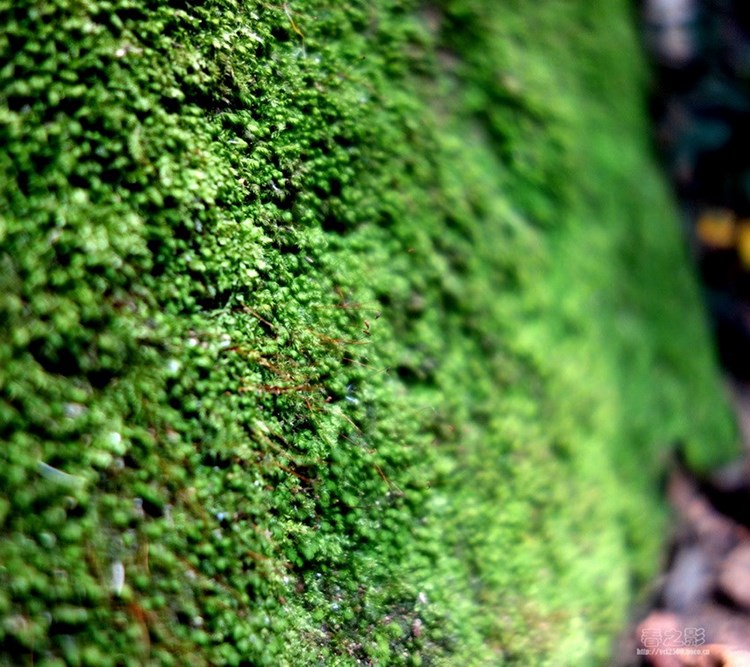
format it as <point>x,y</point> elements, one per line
<point>334,334</point>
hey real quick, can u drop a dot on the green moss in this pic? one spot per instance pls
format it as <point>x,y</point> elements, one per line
<point>334,335</point>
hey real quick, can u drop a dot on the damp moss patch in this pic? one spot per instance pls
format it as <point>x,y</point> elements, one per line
<point>334,335</point>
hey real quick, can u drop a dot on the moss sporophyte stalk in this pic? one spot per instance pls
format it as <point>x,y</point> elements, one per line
<point>323,339</point>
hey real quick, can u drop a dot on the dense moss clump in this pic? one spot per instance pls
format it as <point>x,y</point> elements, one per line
<point>333,333</point>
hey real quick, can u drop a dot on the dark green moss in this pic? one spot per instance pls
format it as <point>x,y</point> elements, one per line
<point>333,335</point>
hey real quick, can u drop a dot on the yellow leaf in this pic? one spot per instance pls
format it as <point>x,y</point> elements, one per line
<point>716,228</point>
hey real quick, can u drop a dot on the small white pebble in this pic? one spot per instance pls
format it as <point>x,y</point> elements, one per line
<point>116,443</point>
<point>118,577</point>
<point>58,476</point>
<point>73,410</point>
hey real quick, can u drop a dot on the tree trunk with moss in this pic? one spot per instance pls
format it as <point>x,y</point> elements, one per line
<point>334,335</point>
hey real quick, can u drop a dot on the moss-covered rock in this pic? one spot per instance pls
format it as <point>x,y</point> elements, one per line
<point>334,334</point>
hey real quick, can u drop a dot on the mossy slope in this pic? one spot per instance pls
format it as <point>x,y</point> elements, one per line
<point>333,335</point>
